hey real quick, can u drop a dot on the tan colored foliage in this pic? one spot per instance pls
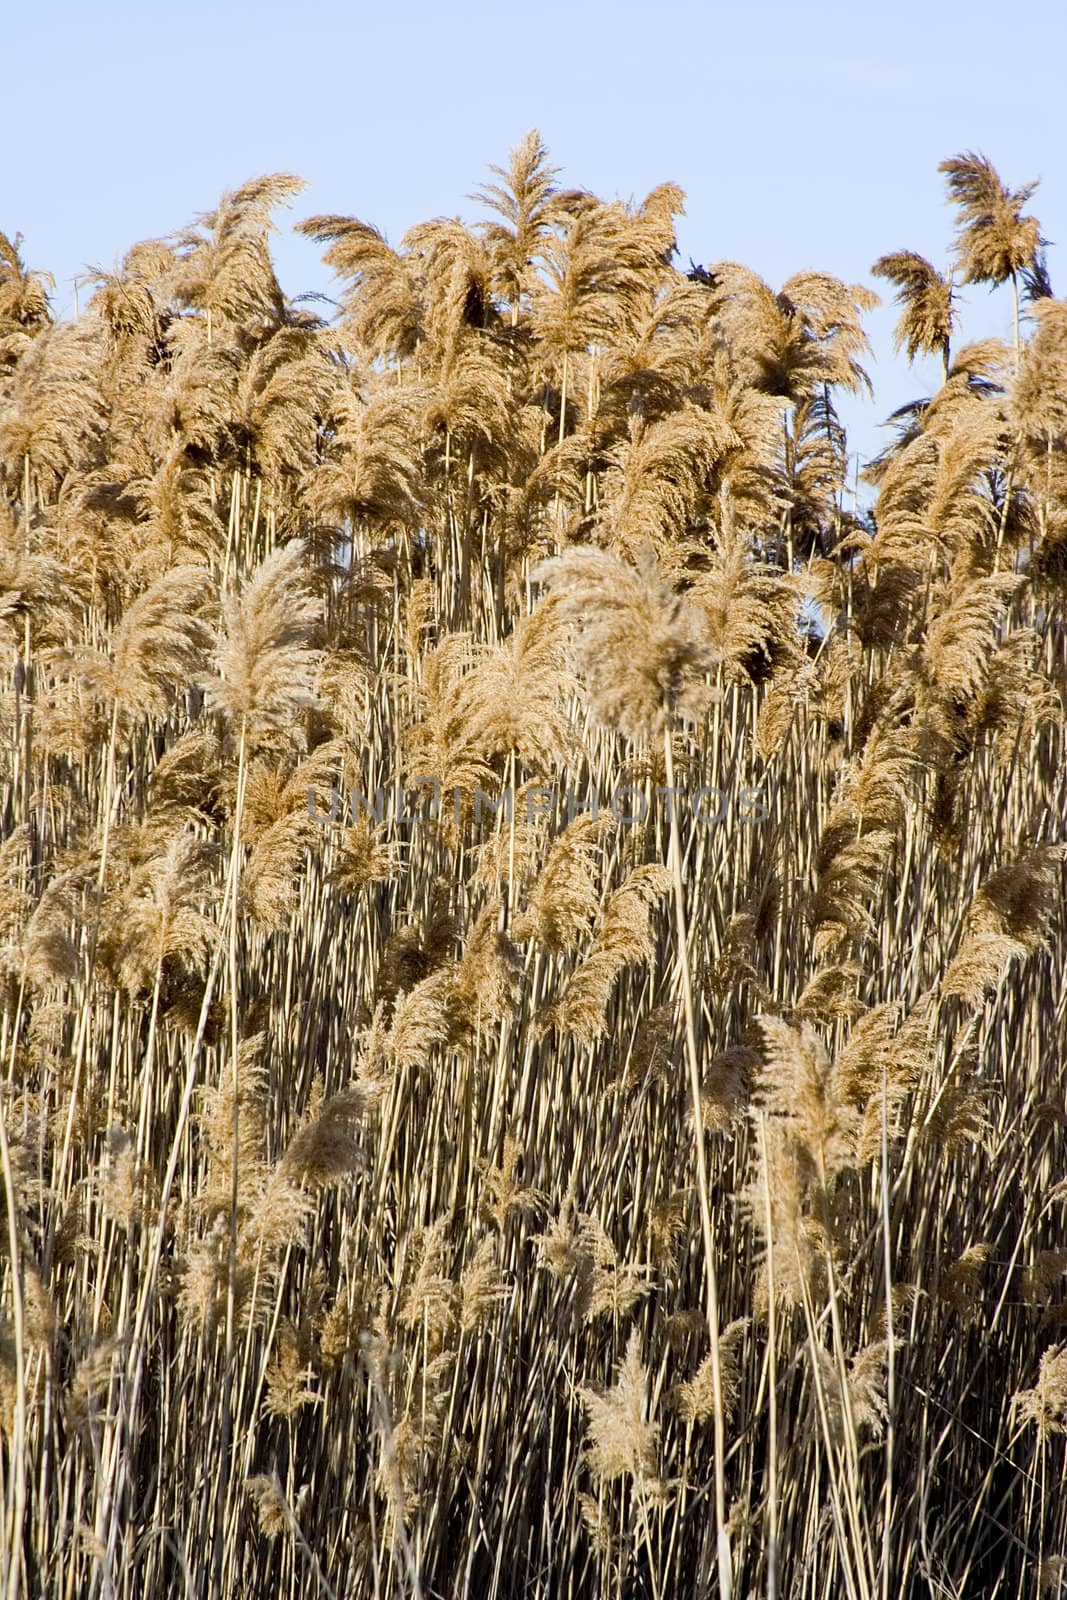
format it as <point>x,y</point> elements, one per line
<point>418,1174</point>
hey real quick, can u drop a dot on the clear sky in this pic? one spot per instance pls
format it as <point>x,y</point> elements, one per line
<point>805,136</point>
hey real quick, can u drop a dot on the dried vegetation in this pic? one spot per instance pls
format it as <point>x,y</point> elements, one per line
<point>443,1198</point>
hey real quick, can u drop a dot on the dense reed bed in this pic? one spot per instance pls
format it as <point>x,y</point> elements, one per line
<point>531,923</point>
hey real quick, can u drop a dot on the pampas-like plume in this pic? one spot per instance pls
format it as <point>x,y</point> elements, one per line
<point>188,779</point>
<point>963,635</point>
<point>623,1440</point>
<point>523,199</point>
<point>455,268</point>
<point>420,1431</point>
<point>277,791</point>
<point>126,1182</point>
<point>600,270</point>
<point>978,966</point>
<point>751,607</point>
<point>927,315</point>
<point>54,413</point>
<point>239,1092</point>
<point>694,1400</point>
<point>15,904</point>
<point>1039,394</point>
<point>934,495</point>
<point>830,994</point>
<point>996,242</point>
<point>361,858</point>
<point>481,1286</point>
<point>226,270</point>
<point>792,343</point>
<point>24,307</point>
<point>289,1376</point>
<point>579,1251</point>
<point>623,938</point>
<point>371,471</point>
<point>1010,916</point>
<point>271,881</point>
<point>442,739</point>
<point>1045,1405</point>
<point>1021,899</point>
<point>563,900</point>
<point>865,1404</point>
<point>724,1093</point>
<point>485,980</point>
<point>157,647</point>
<point>384,307</point>
<point>801,1086</point>
<point>857,837</point>
<point>90,1386</point>
<point>431,1300</point>
<point>798,1238</point>
<point>414,952</point>
<point>611,1287</point>
<point>161,919</point>
<point>503,1195</point>
<point>285,390</point>
<point>657,477</point>
<point>326,1151</point>
<point>270,1503</point>
<point>811,1136</point>
<point>850,868</point>
<point>32,583</point>
<point>652,1055</point>
<point>514,701</point>
<point>641,650</point>
<point>878,1053</point>
<point>421,1019</point>
<point>48,951</point>
<point>265,664</point>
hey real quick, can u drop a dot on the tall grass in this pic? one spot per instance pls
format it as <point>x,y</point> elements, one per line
<point>531,923</point>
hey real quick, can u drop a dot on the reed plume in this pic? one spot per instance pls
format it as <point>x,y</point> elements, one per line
<point>265,661</point>
<point>927,318</point>
<point>639,648</point>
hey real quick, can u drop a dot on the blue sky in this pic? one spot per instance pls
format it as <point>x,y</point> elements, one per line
<point>806,137</point>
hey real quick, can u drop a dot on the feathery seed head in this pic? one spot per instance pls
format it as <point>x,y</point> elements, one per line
<point>266,663</point>
<point>641,650</point>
